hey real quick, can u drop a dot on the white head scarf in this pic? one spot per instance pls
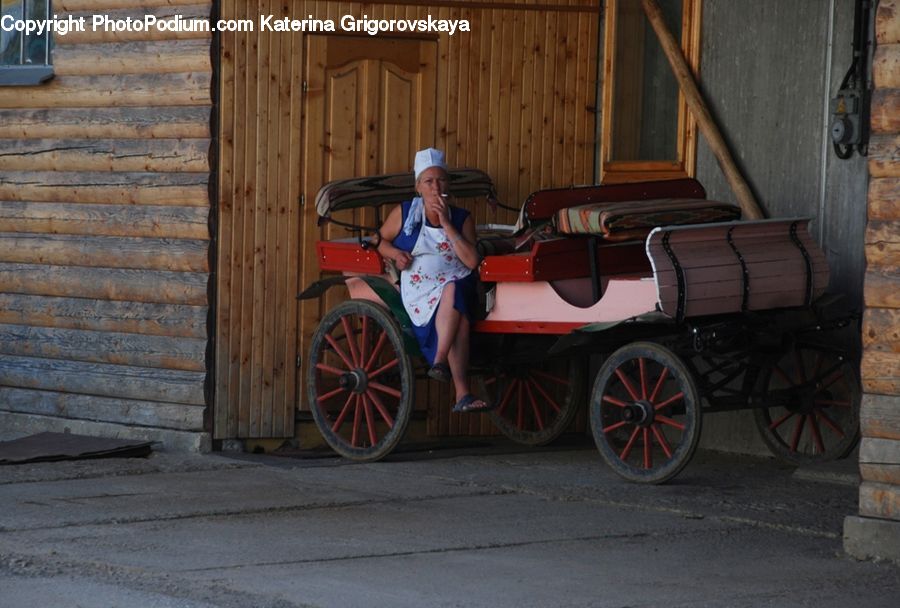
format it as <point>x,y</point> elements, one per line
<point>425,159</point>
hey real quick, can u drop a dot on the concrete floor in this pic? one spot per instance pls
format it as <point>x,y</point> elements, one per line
<point>492,526</point>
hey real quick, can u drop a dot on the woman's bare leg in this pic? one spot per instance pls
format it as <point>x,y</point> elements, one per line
<point>459,359</point>
<point>446,323</point>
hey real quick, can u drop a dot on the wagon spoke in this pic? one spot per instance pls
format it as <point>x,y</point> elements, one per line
<point>340,351</point>
<point>820,361</point>
<point>830,402</point>
<point>780,421</point>
<point>668,421</point>
<point>330,369</point>
<point>330,394</point>
<point>659,384</point>
<point>384,368</point>
<point>669,401</point>
<point>363,340</point>
<point>370,422</point>
<point>546,396</point>
<point>817,434</point>
<point>506,396</point>
<point>614,401</point>
<point>550,377</point>
<point>534,407</point>
<point>624,380</point>
<point>386,389</point>
<point>357,419</point>
<point>798,431</point>
<point>520,410</point>
<point>379,405</point>
<point>612,427</point>
<point>625,452</point>
<point>648,453</point>
<point>642,363</point>
<point>377,350</point>
<point>339,422</point>
<point>351,341</point>
<point>838,374</point>
<point>662,440</point>
<point>829,422</point>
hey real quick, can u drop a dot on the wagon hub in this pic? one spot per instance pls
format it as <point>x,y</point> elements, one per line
<point>639,413</point>
<point>356,381</point>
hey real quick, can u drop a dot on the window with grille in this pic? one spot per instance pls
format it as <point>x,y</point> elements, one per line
<point>24,56</point>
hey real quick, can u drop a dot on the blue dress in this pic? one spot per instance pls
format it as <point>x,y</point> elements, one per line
<point>464,295</point>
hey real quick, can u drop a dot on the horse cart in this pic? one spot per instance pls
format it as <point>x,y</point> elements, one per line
<point>685,310</point>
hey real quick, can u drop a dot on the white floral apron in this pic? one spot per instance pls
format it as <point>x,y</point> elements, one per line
<point>434,264</point>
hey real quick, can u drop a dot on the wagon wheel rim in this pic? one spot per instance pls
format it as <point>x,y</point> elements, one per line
<point>359,381</point>
<point>818,420</point>
<point>645,414</point>
<point>534,404</point>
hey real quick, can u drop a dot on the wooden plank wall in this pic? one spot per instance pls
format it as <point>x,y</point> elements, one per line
<point>104,234</point>
<point>516,97</point>
<point>880,417</point>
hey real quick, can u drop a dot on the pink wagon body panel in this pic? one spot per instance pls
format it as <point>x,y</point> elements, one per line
<point>540,302</point>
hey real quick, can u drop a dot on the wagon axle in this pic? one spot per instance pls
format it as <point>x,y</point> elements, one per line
<point>640,413</point>
<point>356,380</point>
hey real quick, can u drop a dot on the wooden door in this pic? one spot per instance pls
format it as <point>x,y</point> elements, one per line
<point>369,105</point>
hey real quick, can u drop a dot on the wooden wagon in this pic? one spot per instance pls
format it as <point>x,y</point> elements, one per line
<point>689,310</point>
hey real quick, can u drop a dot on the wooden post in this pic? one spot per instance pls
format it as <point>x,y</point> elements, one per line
<point>697,105</point>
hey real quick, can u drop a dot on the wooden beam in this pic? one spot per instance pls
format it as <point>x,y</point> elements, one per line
<point>159,221</point>
<point>117,188</point>
<point>879,372</point>
<point>882,288</point>
<point>182,89</point>
<point>885,110</point>
<point>697,105</point>
<point>150,286</point>
<point>152,155</point>
<point>887,22</point>
<point>69,6</point>
<point>109,409</point>
<point>104,347</point>
<point>879,417</point>
<point>104,251</point>
<point>175,122</point>
<point>881,330</point>
<point>886,66</point>
<point>879,500</point>
<point>104,315</point>
<point>144,57</point>
<point>883,244</point>
<point>883,196</point>
<point>103,379</point>
<point>884,155</point>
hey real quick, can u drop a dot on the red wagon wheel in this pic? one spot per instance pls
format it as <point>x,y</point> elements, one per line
<point>818,417</point>
<point>536,403</point>
<point>645,413</point>
<point>359,381</point>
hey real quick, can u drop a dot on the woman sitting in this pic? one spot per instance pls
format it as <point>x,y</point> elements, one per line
<point>432,243</point>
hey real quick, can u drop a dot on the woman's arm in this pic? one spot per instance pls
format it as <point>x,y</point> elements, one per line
<point>389,231</point>
<point>464,244</point>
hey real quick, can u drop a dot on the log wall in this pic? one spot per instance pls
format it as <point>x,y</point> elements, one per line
<point>104,232</point>
<point>880,416</point>
<point>515,97</point>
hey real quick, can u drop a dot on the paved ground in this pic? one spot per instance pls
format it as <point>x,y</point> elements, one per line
<point>490,527</point>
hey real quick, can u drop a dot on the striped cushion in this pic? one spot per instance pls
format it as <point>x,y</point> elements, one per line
<point>623,221</point>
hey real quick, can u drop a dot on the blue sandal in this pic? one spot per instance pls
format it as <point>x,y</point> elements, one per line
<point>469,404</point>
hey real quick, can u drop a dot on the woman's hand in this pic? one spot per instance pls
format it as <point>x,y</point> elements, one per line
<point>440,206</point>
<point>402,259</point>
